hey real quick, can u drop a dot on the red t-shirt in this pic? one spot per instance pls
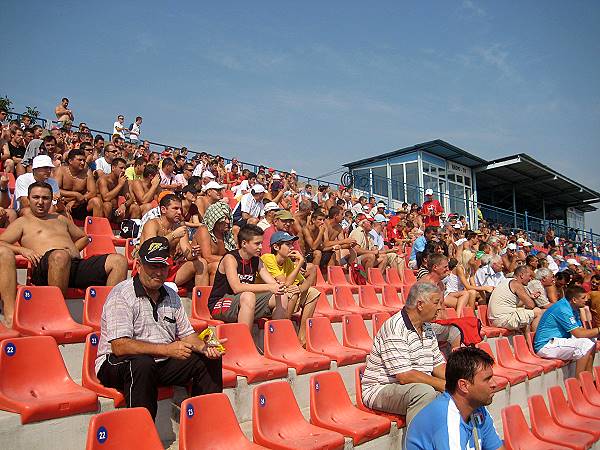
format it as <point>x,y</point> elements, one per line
<point>429,207</point>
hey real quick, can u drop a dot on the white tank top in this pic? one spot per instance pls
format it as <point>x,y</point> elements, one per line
<point>452,283</point>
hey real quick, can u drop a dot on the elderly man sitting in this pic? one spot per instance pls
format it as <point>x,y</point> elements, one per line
<point>543,283</point>
<point>405,368</point>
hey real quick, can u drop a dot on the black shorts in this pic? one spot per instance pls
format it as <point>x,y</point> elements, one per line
<point>79,212</point>
<point>325,258</point>
<point>83,273</point>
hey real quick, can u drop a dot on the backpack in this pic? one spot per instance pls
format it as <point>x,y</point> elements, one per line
<point>358,274</point>
<point>130,228</point>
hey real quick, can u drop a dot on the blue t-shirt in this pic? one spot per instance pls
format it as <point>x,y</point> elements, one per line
<point>439,426</point>
<point>418,246</point>
<point>557,322</point>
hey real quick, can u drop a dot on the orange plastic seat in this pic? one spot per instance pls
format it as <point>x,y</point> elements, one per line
<point>95,296</point>
<point>123,429</point>
<point>577,400</point>
<point>390,298</point>
<point>322,284</point>
<point>338,278</point>
<point>232,202</point>
<point>409,277</point>
<point>98,244</point>
<point>321,339</point>
<point>393,278</point>
<point>6,332</point>
<point>331,408</point>
<point>590,392</point>
<point>344,301</point>
<point>358,374</point>
<point>200,310</point>
<point>451,313</point>
<point>101,225</point>
<point>468,311</point>
<point>229,378</point>
<point>376,277</point>
<point>487,329</point>
<point>277,422</point>
<point>208,422</point>
<point>41,311</point>
<point>90,381</point>
<point>243,358</point>
<point>378,320</point>
<point>507,359</point>
<point>323,308</point>
<point>523,354</point>
<point>198,325</point>
<point>563,414</point>
<point>517,434</point>
<point>281,344</point>
<point>34,381</point>
<point>513,376</point>
<point>367,298</point>
<point>355,334</point>
<point>545,428</point>
<point>11,181</point>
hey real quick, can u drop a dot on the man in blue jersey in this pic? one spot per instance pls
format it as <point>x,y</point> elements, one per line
<point>458,417</point>
<point>561,335</point>
<point>419,245</point>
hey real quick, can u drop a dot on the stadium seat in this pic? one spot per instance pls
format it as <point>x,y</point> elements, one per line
<point>229,378</point>
<point>322,284</point>
<point>390,298</point>
<point>486,328</point>
<point>94,299</point>
<point>518,436</point>
<point>376,277</point>
<point>42,311</point>
<point>200,310</point>
<point>337,278</point>
<point>281,344</point>
<point>377,321</point>
<point>563,415</point>
<point>468,311</point>
<point>277,422</point>
<point>331,408</point>
<point>355,334</point>
<point>34,381</point>
<point>123,429</point>
<point>450,313</point>
<point>358,374</point>
<point>577,400</point>
<point>513,376</point>
<point>129,248</point>
<point>98,245</point>
<point>393,279</point>
<point>367,298</point>
<point>596,370</point>
<point>344,300</point>
<point>198,325</point>
<point>321,339</point>
<point>90,381</point>
<point>507,359</point>
<point>208,422</point>
<point>101,225</point>
<point>545,428</point>
<point>6,332</point>
<point>11,181</point>
<point>243,358</point>
<point>323,308</point>
<point>523,354</point>
<point>588,388</point>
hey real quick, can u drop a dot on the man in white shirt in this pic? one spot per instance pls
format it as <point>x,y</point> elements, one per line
<point>250,208</point>
<point>41,170</point>
<point>245,185</point>
<point>168,179</point>
<point>490,273</point>
<point>103,164</point>
<point>119,126</point>
<point>207,177</point>
<point>134,129</point>
<point>233,162</point>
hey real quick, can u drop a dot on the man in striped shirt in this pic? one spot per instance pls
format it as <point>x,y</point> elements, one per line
<point>405,369</point>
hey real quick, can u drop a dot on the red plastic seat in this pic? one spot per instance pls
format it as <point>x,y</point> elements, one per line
<point>208,422</point>
<point>277,422</point>
<point>378,320</point>
<point>468,311</point>
<point>507,359</point>
<point>563,415</point>
<point>229,378</point>
<point>523,354</point>
<point>577,400</point>
<point>451,313</point>
<point>34,381</point>
<point>121,429</point>
<point>41,311</point>
<point>390,298</point>
<point>513,376</point>
<point>344,300</point>
<point>200,310</point>
<point>486,328</point>
<point>90,381</point>
<point>518,436</point>
<point>331,408</point>
<point>232,203</point>
<point>337,278</point>
<point>321,339</point>
<point>393,279</point>
<point>198,325</point>
<point>590,392</point>
<point>358,374</point>
<point>281,344</point>
<point>322,284</point>
<point>545,428</point>
<point>243,358</point>
<point>596,370</point>
<point>6,332</point>
<point>95,296</point>
<point>355,334</point>
<point>11,181</point>
<point>323,308</point>
<point>101,225</point>
<point>367,298</point>
<point>376,277</point>
<point>98,244</point>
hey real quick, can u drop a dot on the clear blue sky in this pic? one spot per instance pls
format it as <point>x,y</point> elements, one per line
<point>312,85</point>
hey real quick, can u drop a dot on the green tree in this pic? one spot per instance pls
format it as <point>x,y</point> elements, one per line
<point>5,103</point>
<point>32,112</point>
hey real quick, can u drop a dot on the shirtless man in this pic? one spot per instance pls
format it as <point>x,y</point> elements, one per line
<point>510,258</point>
<point>78,187</point>
<point>52,244</point>
<point>213,192</point>
<point>337,250</point>
<point>314,235</point>
<point>143,191</point>
<point>63,114</point>
<point>300,223</point>
<point>111,187</point>
<point>187,264</point>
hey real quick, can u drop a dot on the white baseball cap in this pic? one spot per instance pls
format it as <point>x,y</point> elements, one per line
<point>276,177</point>
<point>573,261</point>
<point>526,244</point>
<point>512,246</point>
<point>258,189</point>
<point>429,192</point>
<point>42,161</point>
<point>212,185</point>
<point>293,172</point>
<point>207,174</point>
<point>271,206</point>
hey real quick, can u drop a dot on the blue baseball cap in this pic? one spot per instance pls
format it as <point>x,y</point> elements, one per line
<point>282,236</point>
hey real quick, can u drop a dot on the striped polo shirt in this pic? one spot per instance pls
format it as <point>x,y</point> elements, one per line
<point>398,348</point>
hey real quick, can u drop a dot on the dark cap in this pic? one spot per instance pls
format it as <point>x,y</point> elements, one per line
<point>282,236</point>
<point>155,251</point>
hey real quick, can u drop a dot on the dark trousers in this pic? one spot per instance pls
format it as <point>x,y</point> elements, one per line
<point>138,377</point>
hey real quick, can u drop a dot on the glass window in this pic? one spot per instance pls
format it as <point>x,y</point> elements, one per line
<point>380,181</point>
<point>361,179</point>
<point>412,182</point>
<point>451,177</point>
<point>467,181</point>
<point>441,172</point>
<point>398,181</point>
<point>459,179</point>
<point>430,183</point>
<point>456,193</point>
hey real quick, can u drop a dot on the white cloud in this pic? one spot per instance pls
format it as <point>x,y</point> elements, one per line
<point>472,8</point>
